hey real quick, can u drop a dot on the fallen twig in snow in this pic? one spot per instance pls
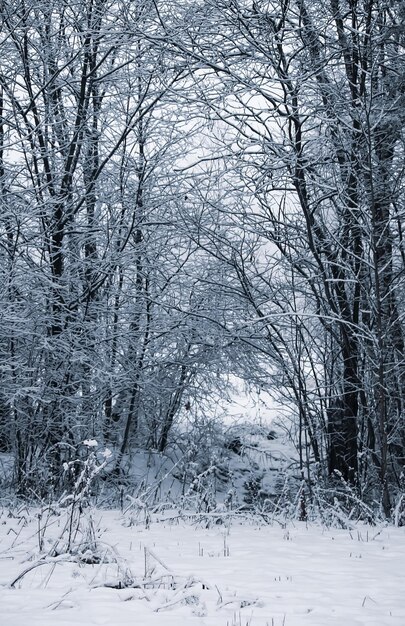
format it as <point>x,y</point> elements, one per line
<point>69,604</point>
<point>184,598</point>
<point>165,581</point>
<point>53,560</point>
<point>240,602</point>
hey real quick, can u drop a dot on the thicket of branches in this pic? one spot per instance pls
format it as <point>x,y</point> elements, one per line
<point>192,190</point>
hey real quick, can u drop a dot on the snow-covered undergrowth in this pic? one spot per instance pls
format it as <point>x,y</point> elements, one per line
<point>110,567</point>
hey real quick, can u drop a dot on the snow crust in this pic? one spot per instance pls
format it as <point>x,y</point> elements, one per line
<point>182,574</point>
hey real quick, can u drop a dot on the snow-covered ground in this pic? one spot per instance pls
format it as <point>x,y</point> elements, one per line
<point>183,574</point>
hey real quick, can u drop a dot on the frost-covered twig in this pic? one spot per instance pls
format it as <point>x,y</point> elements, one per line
<point>61,558</point>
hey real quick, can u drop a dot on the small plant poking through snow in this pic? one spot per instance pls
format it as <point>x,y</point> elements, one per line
<point>76,538</point>
<point>85,471</point>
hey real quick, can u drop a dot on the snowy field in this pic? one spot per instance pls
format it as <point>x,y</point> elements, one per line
<point>179,574</point>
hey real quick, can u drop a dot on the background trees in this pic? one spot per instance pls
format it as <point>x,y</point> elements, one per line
<point>311,96</point>
<point>99,281</point>
<point>195,190</point>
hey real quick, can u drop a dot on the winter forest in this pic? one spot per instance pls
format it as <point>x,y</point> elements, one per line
<point>199,197</point>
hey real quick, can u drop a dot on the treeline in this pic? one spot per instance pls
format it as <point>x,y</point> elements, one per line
<point>196,190</point>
